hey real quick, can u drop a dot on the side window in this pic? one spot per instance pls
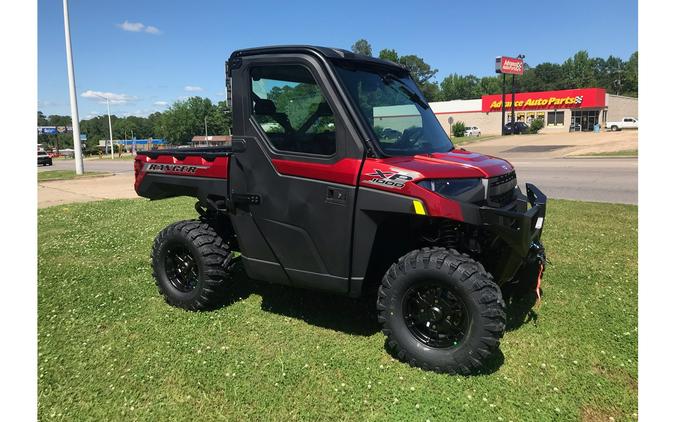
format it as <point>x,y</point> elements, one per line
<point>291,110</point>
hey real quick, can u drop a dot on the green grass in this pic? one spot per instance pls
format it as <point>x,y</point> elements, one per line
<point>109,348</point>
<point>466,140</point>
<point>622,153</point>
<point>44,176</point>
<point>125,156</point>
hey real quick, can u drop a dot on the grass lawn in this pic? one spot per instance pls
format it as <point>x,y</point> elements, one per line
<point>44,176</point>
<point>622,153</point>
<point>109,348</point>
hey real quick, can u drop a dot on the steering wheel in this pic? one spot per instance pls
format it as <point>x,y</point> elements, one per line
<point>410,137</point>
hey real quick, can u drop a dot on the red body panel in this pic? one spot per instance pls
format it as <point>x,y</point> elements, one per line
<point>394,174</point>
<point>344,171</point>
<point>190,166</point>
<point>382,174</point>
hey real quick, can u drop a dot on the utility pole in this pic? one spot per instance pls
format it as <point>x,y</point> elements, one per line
<point>206,129</point>
<point>74,115</point>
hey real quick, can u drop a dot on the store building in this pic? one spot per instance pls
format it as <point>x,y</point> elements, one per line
<point>564,110</point>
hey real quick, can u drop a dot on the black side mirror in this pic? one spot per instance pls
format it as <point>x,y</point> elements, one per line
<point>238,145</point>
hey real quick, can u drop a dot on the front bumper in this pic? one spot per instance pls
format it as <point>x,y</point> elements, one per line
<point>520,229</point>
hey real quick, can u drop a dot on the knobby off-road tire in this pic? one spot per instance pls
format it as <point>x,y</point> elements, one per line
<point>191,265</point>
<point>484,319</point>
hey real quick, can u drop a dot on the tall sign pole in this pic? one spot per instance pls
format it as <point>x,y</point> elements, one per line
<point>513,99</point>
<point>512,66</point>
<point>503,103</point>
<point>77,146</point>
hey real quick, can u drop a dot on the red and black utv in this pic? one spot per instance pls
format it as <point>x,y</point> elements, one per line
<point>340,178</point>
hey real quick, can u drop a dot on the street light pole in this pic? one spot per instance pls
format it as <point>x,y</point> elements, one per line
<point>74,115</point>
<point>112,153</point>
<point>107,101</point>
<point>206,128</point>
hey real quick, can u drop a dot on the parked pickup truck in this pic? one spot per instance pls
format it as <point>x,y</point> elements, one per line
<point>625,123</point>
<point>315,191</point>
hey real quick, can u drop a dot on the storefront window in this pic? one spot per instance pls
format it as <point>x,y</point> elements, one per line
<point>556,118</point>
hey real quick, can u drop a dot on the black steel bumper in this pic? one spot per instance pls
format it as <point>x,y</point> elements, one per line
<point>520,228</point>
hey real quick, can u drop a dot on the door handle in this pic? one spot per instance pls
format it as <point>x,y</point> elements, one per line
<point>336,196</point>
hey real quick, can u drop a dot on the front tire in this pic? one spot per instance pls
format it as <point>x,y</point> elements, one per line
<point>191,265</point>
<point>441,311</point>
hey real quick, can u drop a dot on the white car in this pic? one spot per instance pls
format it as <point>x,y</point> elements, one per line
<point>471,131</point>
<point>625,123</point>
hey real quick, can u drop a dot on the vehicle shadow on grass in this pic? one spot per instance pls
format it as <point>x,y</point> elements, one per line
<point>334,312</point>
<point>349,315</point>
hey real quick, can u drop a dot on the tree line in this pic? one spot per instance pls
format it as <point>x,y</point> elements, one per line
<point>579,71</point>
<point>185,118</point>
<point>178,124</point>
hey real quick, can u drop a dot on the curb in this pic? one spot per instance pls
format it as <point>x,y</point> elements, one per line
<point>585,157</point>
<point>92,176</point>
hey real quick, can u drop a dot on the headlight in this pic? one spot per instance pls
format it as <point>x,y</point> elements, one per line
<point>453,187</point>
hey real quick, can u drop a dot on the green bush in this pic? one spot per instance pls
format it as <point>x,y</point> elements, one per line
<point>536,125</point>
<point>458,129</point>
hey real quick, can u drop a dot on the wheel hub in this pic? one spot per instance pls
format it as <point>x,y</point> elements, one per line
<point>181,269</point>
<point>435,315</point>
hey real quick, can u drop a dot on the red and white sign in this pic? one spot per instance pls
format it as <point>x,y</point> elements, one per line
<point>568,98</point>
<point>509,65</point>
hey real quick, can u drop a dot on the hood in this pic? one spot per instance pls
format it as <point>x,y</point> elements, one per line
<point>457,163</point>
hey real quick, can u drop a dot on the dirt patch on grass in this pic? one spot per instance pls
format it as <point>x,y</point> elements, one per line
<point>594,414</point>
<point>616,375</point>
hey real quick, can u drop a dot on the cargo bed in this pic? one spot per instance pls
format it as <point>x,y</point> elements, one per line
<point>198,172</point>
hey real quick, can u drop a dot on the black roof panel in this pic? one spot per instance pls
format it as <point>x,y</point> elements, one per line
<point>332,53</point>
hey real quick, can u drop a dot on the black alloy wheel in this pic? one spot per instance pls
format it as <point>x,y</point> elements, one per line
<point>181,268</point>
<point>192,263</point>
<point>435,316</point>
<point>441,310</point>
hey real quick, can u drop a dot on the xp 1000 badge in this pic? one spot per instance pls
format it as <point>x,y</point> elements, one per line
<point>389,178</point>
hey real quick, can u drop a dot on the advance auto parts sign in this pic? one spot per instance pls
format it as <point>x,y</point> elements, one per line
<point>568,98</point>
<point>509,65</point>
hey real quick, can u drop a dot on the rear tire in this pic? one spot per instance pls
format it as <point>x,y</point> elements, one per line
<point>468,312</point>
<point>615,128</point>
<point>191,265</point>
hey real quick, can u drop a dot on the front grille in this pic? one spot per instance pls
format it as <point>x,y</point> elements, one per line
<point>504,178</point>
<point>501,190</point>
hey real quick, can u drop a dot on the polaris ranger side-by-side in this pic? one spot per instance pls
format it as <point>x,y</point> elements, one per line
<point>340,178</point>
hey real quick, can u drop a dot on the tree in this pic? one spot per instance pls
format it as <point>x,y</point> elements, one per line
<point>457,87</point>
<point>363,47</point>
<point>41,119</point>
<point>419,70</point>
<point>578,71</point>
<point>630,76</point>
<point>388,54</point>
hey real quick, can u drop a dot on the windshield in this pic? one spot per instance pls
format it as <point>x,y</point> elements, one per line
<point>401,119</point>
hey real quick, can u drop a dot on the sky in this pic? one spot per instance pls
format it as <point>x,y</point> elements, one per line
<point>146,54</point>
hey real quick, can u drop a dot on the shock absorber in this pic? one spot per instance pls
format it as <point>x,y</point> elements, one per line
<point>448,234</point>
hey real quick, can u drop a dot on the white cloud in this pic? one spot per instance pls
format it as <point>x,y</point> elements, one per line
<point>161,103</point>
<point>138,27</point>
<point>114,98</point>
<point>192,88</point>
<point>131,26</point>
